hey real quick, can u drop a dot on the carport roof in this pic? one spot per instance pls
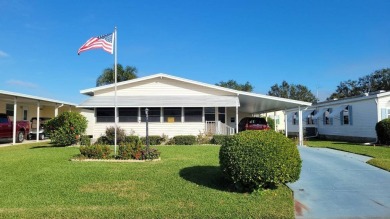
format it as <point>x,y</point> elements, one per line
<point>25,98</point>
<point>247,102</point>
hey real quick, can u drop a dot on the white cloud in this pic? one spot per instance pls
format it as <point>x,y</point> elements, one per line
<point>3,54</point>
<point>21,83</point>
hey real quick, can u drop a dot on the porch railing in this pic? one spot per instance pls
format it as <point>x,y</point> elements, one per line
<point>218,128</point>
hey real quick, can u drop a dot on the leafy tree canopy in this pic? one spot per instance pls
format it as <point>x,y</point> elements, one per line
<point>292,91</point>
<point>378,80</point>
<point>232,84</point>
<point>123,74</point>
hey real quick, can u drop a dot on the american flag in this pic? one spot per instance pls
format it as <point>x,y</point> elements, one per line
<point>104,41</point>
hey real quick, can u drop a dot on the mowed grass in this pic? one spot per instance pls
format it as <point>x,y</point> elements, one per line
<point>39,181</point>
<point>380,154</point>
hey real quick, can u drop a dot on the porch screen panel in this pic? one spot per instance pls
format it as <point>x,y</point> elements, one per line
<point>172,114</point>
<point>128,114</point>
<point>154,114</point>
<point>105,115</point>
<point>209,113</point>
<point>193,114</point>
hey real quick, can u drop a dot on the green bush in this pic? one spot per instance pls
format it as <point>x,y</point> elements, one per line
<point>382,129</point>
<point>253,160</point>
<point>271,123</point>
<point>153,140</point>
<point>218,139</point>
<point>130,150</point>
<point>136,151</point>
<point>85,140</point>
<point>96,151</point>
<point>102,140</point>
<point>66,128</point>
<point>110,134</point>
<point>131,139</point>
<point>184,140</point>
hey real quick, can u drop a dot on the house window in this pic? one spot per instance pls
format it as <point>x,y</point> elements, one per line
<point>295,119</point>
<point>388,113</point>
<point>277,120</point>
<point>327,119</point>
<point>9,109</point>
<point>105,115</point>
<point>25,114</point>
<point>153,114</point>
<point>346,115</point>
<point>221,114</point>
<point>209,113</point>
<point>128,114</point>
<point>193,114</point>
<point>310,118</point>
<point>172,114</point>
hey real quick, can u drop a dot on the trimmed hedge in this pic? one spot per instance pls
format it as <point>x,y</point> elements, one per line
<point>219,139</point>
<point>259,159</point>
<point>184,140</point>
<point>382,129</point>
<point>153,140</point>
<point>132,139</point>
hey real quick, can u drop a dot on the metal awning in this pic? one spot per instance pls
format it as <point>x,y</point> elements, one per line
<point>161,101</point>
<point>336,112</point>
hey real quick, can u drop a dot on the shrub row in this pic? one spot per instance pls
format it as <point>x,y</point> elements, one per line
<point>259,159</point>
<point>96,151</point>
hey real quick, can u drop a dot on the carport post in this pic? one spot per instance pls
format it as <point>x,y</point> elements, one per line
<point>300,127</point>
<point>14,122</point>
<point>38,109</point>
<point>285,123</point>
<point>236,117</point>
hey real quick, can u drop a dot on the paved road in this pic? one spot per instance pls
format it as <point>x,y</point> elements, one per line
<point>335,184</point>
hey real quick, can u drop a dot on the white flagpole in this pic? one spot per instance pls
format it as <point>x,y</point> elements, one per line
<point>115,64</point>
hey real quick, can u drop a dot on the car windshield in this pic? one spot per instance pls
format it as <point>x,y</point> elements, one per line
<point>257,121</point>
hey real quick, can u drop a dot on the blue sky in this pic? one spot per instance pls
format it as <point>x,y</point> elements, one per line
<point>314,43</point>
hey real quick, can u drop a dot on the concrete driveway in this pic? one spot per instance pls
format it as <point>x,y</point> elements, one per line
<point>335,184</point>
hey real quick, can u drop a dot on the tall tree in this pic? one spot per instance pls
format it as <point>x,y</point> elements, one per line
<point>378,80</point>
<point>292,91</point>
<point>107,77</point>
<point>232,84</point>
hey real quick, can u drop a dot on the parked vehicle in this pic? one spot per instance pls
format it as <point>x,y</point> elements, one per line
<point>41,130</point>
<point>6,129</point>
<point>253,123</point>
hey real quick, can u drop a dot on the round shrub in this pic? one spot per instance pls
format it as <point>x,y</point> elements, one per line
<point>66,128</point>
<point>110,134</point>
<point>382,129</point>
<point>96,151</point>
<point>259,159</point>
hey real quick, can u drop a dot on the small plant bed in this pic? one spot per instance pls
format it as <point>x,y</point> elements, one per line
<point>127,152</point>
<point>380,154</point>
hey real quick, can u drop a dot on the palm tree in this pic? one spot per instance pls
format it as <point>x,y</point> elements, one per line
<point>107,77</point>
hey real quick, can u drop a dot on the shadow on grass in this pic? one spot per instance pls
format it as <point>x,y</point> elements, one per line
<point>208,176</point>
<point>51,145</point>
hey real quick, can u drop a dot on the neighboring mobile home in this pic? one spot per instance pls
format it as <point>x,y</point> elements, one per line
<point>349,119</point>
<point>177,106</point>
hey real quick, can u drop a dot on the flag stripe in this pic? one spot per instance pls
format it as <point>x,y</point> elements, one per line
<point>104,42</point>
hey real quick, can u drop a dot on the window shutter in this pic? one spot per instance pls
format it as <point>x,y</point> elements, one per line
<point>323,119</point>
<point>350,115</point>
<point>331,119</point>
<point>342,117</point>
<point>384,113</point>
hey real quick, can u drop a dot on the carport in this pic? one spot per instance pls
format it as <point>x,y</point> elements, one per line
<point>258,103</point>
<point>23,107</point>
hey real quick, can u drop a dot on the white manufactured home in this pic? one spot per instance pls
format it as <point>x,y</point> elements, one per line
<point>350,119</point>
<point>176,106</point>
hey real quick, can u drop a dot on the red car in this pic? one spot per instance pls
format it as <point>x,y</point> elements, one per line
<point>253,123</point>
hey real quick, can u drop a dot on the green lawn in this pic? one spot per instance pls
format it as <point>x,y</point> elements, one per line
<point>380,154</point>
<point>39,181</point>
